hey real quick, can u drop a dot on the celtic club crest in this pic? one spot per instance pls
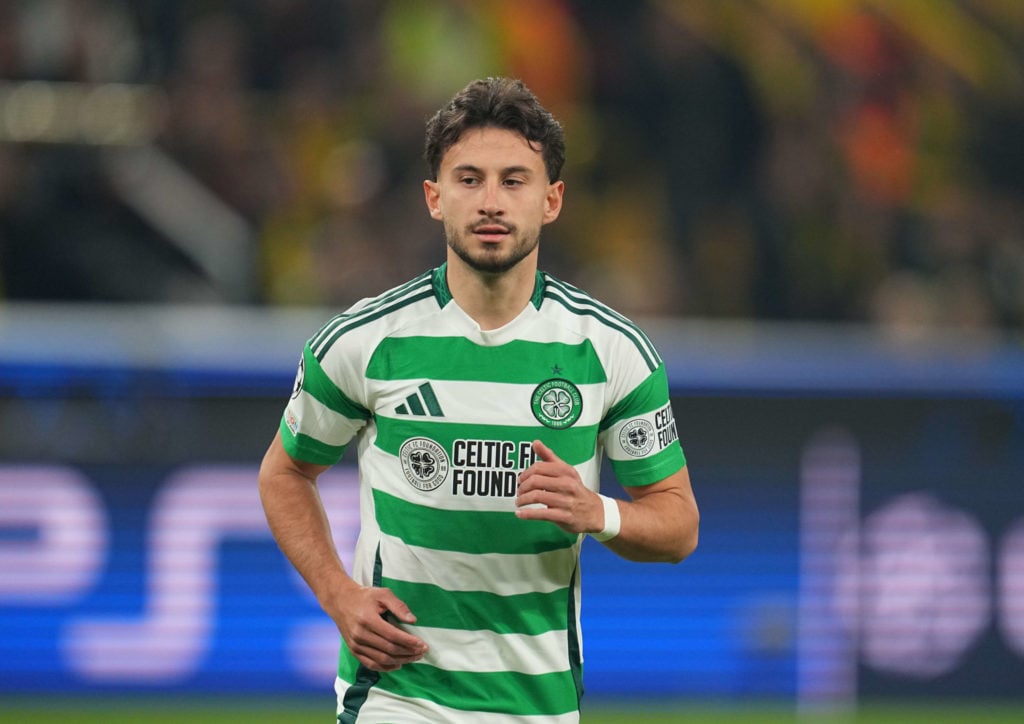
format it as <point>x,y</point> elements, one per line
<point>557,403</point>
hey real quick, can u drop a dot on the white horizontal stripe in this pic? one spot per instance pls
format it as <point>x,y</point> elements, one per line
<point>499,573</point>
<point>382,706</point>
<point>487,651</point>
<point>310,413</point>
<point>386,472</point>
<point>489,403</point>
<point>580,299</point>
<point>395,299</point>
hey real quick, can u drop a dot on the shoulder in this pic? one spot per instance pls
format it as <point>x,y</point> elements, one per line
<point>595,320</point>
<point>376,317</point>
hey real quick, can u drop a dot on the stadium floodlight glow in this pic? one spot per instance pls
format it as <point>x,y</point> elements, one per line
<point>100,114</point>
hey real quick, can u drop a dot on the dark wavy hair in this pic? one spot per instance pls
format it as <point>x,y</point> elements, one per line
<point>501,103</point>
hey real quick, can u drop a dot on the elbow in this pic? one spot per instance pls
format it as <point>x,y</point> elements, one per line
<point>688,547</point>
<point>263,481</point>
<point>682,552</point>
<point>687,543</point>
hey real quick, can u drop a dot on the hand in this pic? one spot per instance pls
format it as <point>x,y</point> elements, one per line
<point>367,618</point>
<point>564,499</point>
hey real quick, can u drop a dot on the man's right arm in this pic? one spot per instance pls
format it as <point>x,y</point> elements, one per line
<point>299,524</point>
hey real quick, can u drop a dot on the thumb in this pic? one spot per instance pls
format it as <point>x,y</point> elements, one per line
<point>544,453</point>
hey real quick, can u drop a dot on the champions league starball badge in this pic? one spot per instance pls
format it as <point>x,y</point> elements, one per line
<point>299,377</point>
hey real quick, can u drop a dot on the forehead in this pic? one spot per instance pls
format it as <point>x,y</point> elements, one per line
<point>490,147</point>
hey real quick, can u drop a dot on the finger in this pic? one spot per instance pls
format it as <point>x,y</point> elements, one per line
<point>532,498</point>
<point>396,613</point>
<point>546,466</point>
<point>545,453</point>
<point>539,499</point>
<point>540,511</point>
<point>396,607</point>
<point>395,641</point>
<point>381,661</point>
<point>383,651</point>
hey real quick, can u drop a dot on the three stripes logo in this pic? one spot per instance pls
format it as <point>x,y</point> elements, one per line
<point>421,403</point>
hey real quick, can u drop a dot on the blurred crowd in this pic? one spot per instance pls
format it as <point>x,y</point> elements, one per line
<point>848,160</point>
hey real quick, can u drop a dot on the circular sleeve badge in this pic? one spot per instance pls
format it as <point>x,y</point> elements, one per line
<point>637,437</point>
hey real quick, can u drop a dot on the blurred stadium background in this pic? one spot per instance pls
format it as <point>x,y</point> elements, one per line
<point>814,206</point>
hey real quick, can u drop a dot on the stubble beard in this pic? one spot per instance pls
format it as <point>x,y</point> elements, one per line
<point>496,259</point>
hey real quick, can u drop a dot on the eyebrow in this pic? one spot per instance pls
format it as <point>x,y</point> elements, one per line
<point>504,172</point>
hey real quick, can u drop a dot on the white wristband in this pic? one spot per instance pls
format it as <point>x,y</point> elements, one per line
<point>612,520</point>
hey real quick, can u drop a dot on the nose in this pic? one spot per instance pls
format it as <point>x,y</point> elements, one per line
<point>490,204</point>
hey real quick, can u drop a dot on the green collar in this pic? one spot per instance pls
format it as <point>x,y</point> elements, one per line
<point>444,294</point>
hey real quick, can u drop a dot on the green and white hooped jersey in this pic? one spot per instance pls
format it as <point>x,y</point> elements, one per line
<point>444,415</point>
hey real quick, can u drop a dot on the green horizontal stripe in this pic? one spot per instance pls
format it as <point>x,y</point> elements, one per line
<point>457,358</point>
<point>575,445</point>
<point>467,531</point>
<point>527,613</point>
<point>309,449</point>
<point>649,395</point>
<point>652,469</point>
<point>502,692</point>
<point>316,383</point>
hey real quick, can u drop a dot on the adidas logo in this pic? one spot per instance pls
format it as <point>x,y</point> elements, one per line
<point>421,403</point>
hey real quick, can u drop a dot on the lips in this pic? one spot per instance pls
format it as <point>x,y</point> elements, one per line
<point>491,231</point>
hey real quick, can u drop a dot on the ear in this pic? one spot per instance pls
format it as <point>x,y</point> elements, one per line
<point>432,194</point>
<point>553,201</point>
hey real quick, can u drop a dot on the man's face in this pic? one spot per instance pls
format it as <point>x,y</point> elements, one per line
<point>493,195</point>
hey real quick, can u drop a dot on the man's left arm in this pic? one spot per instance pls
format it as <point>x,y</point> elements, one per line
<point>659,523</point>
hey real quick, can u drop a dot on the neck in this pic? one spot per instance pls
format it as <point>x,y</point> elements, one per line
<point>491,300</point>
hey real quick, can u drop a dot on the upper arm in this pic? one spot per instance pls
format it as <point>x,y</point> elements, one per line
<point>676,484</point>
<point>277,461</point>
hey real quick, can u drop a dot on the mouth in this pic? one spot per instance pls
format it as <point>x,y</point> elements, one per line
<point>491,231</point>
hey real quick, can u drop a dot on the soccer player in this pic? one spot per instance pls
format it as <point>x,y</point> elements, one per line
<point>481,396</point>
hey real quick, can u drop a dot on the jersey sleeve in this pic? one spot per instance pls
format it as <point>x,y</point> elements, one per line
<point>320,419</point>
<point>639,433</point>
